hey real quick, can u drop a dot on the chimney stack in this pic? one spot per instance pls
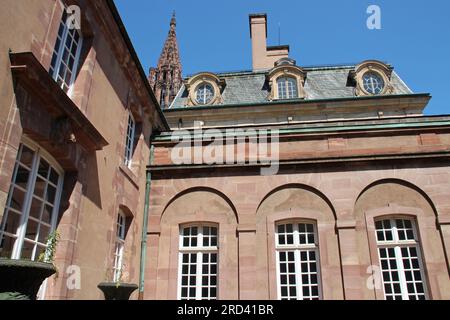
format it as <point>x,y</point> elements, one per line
<point>264,57</point>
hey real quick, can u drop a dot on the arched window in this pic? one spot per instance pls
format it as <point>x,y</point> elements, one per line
<point>198,262</point>
<point>400,259</point>
<point>119,246</point>
<point>287,88</point>
<point>32,205</point>
<point>298,267</point>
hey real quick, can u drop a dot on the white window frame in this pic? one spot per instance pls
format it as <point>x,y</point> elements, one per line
<point>199,250</point>
<point>39,154</point>
<point>129,141</point>
<point>297,248</point>
<point>398,244</point>
<point>284,89</point>
<point>119,247</point>
<point>60,54</point>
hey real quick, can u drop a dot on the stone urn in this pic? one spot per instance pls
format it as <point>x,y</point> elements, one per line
<point>21,279</point>
<point>117,291</point>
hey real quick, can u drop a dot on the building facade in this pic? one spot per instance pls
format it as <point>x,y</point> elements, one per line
<point>76,118</point>
<point>281,182</point>
<point>357,207</point>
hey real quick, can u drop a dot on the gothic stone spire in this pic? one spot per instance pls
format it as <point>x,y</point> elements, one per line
<point>166,79</point>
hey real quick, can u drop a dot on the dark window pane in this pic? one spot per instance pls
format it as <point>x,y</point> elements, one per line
<point>22,177</point>
<point>27,156</point>
<point>380,236</point>
<point>306,291</point>
<point>44,167</point>
<point>17,199</point>
<point>389,236</point>
<point>292,291</point>
<point>32,229</point>
<point>290,239</point>
<point>303,255</point>
<point>289,228</point>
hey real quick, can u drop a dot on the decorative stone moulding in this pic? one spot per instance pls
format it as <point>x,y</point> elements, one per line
<point>209,78</point>
<point>379,68</point>
<point>286,67</point>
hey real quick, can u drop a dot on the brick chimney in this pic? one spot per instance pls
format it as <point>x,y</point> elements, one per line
<point>264,57</point>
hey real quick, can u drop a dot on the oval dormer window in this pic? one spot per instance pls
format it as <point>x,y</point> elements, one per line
<point>373,83</point>
<point>204,93</point>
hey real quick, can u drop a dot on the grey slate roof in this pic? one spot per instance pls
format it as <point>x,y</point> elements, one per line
<point>322,83</point>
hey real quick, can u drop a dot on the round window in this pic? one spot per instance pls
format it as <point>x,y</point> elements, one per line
<point>373,83</point>
<point>204,93</point>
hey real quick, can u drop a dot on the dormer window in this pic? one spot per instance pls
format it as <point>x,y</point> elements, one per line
<point>287,88</point>
<point>286,81</point>
<point>372,78</point>
<point>373,82</point>
<point>205,89</point>
<point>204,93</point>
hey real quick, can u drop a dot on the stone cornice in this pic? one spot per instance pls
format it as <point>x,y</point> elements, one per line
<point>29,73</point>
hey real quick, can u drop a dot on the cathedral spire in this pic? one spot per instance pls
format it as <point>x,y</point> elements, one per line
<point>166,79</point>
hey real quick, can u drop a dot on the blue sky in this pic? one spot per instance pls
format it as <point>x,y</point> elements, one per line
<point>214,36</point>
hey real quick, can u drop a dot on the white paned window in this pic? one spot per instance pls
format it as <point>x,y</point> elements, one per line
<point>129,143</point>
<point>400,259</point>
<point>119,246</point>
<point>66,54</point>
<point>298,267</point>
<point>287,88</point>
<point>198,263</point>
<point>32,205</point>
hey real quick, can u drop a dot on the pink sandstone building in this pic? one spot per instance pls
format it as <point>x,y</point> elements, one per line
<point>357,206</point>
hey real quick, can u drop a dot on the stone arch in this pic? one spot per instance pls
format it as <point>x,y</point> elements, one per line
<point>298,201</point>
<point>396,197</point>
<point>198,205</point>
<point>310,190</point>
<point>197,190</point>
<point>406,185</point>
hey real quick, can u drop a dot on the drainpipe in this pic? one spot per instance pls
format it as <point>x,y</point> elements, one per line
<point>145,226</point>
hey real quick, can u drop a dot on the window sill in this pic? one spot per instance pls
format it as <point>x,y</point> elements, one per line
<point>130,175</point>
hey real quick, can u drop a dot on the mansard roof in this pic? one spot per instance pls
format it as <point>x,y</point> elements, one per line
<point>322,82</point>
